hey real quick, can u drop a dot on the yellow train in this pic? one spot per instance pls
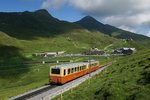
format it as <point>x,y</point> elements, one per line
<point>67,72</point>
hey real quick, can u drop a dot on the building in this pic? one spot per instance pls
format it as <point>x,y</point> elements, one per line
<point>48,54</point>
<point>94,51</point>
<point>124,51</point>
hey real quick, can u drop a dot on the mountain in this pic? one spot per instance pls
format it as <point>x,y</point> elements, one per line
<point>25,33</point>
<point>92,24</point>
<point>27,25</point>
<point>38,31</point>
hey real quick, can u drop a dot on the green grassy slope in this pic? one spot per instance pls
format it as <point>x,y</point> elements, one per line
<point>127,79</point>
<point>74,41</point>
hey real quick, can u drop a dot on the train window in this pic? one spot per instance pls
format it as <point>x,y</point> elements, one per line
<point>68,71</point>
<point>64,72</point>
<point>56,71</point>
<point>75,69</point>
<point>84,67</point>
<point>90,65</point>
<point>81,67</point>
<point>94,64</point>
<point>72,70</point>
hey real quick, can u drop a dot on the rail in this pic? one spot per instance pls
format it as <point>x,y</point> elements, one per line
<point>50,91</point>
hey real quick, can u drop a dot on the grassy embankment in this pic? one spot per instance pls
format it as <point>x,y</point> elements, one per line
<point>127,79</point>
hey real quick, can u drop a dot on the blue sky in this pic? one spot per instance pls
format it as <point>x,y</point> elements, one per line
<point>65,13</point>
<point>19,5</point>
<point>130,15</point>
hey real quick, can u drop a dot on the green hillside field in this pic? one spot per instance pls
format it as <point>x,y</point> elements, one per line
<point>16,78</point>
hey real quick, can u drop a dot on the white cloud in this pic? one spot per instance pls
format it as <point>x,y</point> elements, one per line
<point>111,7</point>
<point>130,21</point>
<point>53,3</point>
<point>127,28</point>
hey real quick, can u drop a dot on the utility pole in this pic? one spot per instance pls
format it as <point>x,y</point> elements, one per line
<point>89,64</point>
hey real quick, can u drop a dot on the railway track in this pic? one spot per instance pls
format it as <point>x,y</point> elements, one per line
<point>33,93</point>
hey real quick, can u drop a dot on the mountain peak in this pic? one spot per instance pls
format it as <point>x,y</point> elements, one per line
<point>42,11</point>
<point>89,18</point>
<point>91,23</point>
<point>38,12</point>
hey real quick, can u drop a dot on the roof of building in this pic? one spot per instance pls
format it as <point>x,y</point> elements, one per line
<point>71,65</point>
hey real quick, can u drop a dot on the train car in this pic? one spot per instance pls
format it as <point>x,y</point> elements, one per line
<point>64,73</point>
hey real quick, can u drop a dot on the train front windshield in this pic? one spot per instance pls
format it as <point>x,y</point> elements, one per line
<point>55,71</point>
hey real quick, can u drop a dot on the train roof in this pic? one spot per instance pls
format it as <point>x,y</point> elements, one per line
<point>72,64</point>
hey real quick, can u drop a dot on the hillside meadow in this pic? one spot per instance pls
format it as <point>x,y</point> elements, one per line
<point>127,79</point>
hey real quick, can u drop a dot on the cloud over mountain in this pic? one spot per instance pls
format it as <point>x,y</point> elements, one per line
<point>53,3</point>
